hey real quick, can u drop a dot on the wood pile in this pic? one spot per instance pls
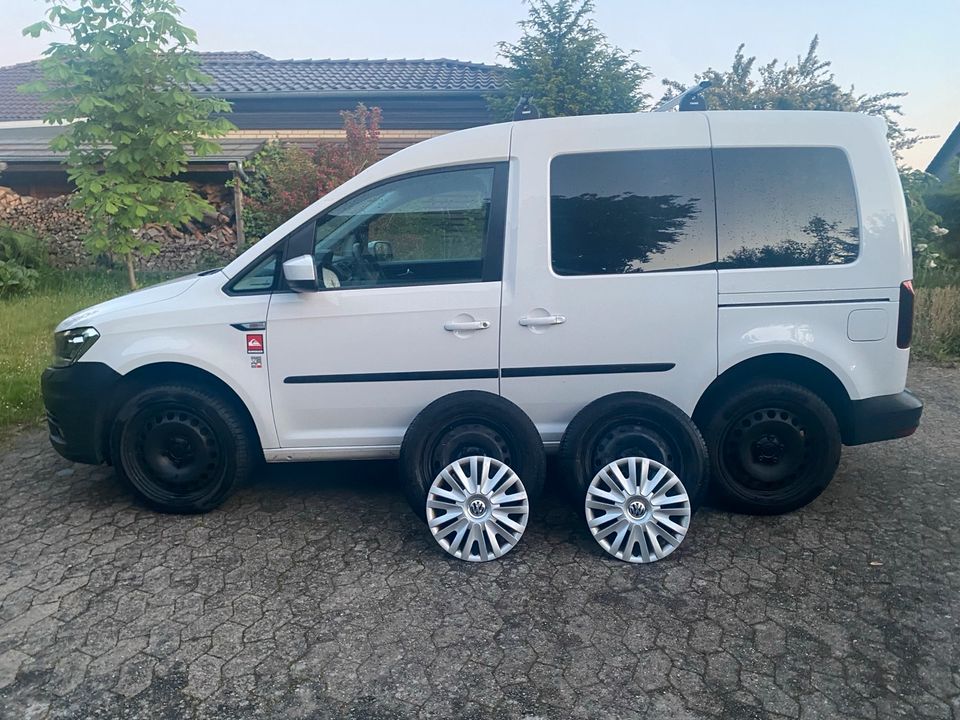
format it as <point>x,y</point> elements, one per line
<point>204,243</point>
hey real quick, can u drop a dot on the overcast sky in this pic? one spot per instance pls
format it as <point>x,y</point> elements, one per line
<point>876,45</point>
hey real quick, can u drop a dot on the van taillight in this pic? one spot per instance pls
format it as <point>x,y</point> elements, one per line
<point>905,321</point>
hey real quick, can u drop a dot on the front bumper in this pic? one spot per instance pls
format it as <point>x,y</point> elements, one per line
<point>883,418</point>
<point>76,399</point>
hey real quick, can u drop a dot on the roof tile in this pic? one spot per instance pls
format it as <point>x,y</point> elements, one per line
<point>240,73</point>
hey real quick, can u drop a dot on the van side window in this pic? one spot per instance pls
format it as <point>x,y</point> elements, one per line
<point>784,207</point>
<point>259,278</point>
<point>630,212</point>
<point>427,228</point>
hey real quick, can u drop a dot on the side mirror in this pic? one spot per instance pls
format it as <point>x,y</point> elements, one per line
<point>301,274</point>
<point>381,250</point>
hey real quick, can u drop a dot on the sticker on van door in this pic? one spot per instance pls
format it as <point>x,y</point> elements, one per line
<point>254,344</point>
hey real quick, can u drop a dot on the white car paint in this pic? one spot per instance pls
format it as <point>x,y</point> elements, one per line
<point>704,322</point>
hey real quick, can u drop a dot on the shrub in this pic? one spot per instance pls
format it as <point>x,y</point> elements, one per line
<point>937,322</point>
<point>15,279</point>
<point>21,255</point>
<point>287,178</point>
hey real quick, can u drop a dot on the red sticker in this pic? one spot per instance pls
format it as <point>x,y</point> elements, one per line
<point>254,343</point>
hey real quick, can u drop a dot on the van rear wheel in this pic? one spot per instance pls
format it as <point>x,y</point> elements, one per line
<point>182,449</point>
<point>774,447</point>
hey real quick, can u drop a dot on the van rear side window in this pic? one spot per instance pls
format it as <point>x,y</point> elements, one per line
<point>785,207</point>
<point>631,212</point>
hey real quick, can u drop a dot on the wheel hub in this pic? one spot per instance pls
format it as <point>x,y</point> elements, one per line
<point>637,508</point>
<point>468,441</point>
<point>768,447</point>
<point>477,506</point>
<point>630,440</point>
<point>768,450</point>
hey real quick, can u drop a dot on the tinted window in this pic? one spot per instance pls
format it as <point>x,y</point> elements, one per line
<point>629,212</point>
<point>428,228</point>
<point>785,207</point>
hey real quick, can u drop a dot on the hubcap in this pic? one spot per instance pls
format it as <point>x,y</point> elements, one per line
<point>477,508</point>
<point>637,509</point>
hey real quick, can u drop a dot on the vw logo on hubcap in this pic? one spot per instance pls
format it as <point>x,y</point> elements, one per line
<point>477,507</point>
<point>636,509</point>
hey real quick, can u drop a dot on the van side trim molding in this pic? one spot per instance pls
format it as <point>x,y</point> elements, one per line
<point>483,374</point>
<point>489,373</point>
<point>848,301</point>
<point>616,369</point>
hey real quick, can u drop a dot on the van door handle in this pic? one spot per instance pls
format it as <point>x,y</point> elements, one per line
<point>454,326</point>
<point>545,320</point>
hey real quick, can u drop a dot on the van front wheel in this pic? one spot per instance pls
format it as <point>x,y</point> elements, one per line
<point>774,447</point>
<point>182,449</point>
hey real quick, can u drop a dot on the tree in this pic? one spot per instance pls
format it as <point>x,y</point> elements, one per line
<point>943,199</point>
<point>287,178</point>
<point>806,85</point>
<point>123,86</point>
<point>567,66</point>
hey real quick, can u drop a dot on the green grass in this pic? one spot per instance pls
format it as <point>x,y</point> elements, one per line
<point>26,333</point>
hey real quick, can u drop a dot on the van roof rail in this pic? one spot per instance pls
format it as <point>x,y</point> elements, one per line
<point>689,99</point>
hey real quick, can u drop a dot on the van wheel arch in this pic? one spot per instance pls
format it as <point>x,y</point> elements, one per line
<point>798,369</point>
<point>162,373</point>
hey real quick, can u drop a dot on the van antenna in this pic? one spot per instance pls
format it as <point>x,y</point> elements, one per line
<point>689,99</point>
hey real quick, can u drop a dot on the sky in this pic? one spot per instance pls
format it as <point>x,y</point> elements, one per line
<point>877,45</point>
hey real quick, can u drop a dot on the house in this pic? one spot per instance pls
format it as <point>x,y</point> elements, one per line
<point>295,101</point>
<point>947,159</point>
<point>290,100</point>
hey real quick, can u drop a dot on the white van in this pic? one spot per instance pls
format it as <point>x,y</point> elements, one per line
<point>748,270</point>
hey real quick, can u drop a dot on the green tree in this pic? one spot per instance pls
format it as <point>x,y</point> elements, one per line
<point>567,66</point>
<point>122,85</point>
<point>943,199</point>
<point>807,84</point>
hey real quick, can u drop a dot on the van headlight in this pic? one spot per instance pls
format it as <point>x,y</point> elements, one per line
<point>70,345</point>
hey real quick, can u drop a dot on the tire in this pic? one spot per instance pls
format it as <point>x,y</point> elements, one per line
<point>463,424</point>
<point>774,446</point>
<point>182,448</point>
<point>632,424</point>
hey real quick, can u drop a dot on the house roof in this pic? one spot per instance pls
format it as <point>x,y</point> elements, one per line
<point>32,145</point>
<point>252,74</point>
<point>949,150</point>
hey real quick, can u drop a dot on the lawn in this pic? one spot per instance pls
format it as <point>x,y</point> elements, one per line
<point>26,334</point>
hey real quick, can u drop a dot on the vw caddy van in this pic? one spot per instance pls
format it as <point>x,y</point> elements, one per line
<point>606,287</point>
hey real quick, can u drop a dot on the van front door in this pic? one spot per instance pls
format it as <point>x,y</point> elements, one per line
<point>410,312</point>
<point>616,286</point>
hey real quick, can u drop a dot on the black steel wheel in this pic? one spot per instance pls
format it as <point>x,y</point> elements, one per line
<point>774,447</point>
<point>181,449</point>
<point>469,424</point>
<point>631,424</point>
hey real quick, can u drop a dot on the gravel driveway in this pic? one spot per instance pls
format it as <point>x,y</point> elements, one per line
<point>316,593</point>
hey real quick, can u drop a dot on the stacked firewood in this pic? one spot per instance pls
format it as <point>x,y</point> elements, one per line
<point>203,243</point>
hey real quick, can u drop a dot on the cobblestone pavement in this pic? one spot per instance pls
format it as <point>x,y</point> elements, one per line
<point>316,593</point>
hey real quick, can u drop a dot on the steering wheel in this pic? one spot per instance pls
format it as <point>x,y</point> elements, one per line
<point>365,267</point>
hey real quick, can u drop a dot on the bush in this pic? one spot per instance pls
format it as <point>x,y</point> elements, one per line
<point>15,279</point>
<point>937,322</point>
<point>284,179</point>
<point>21,256</point>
